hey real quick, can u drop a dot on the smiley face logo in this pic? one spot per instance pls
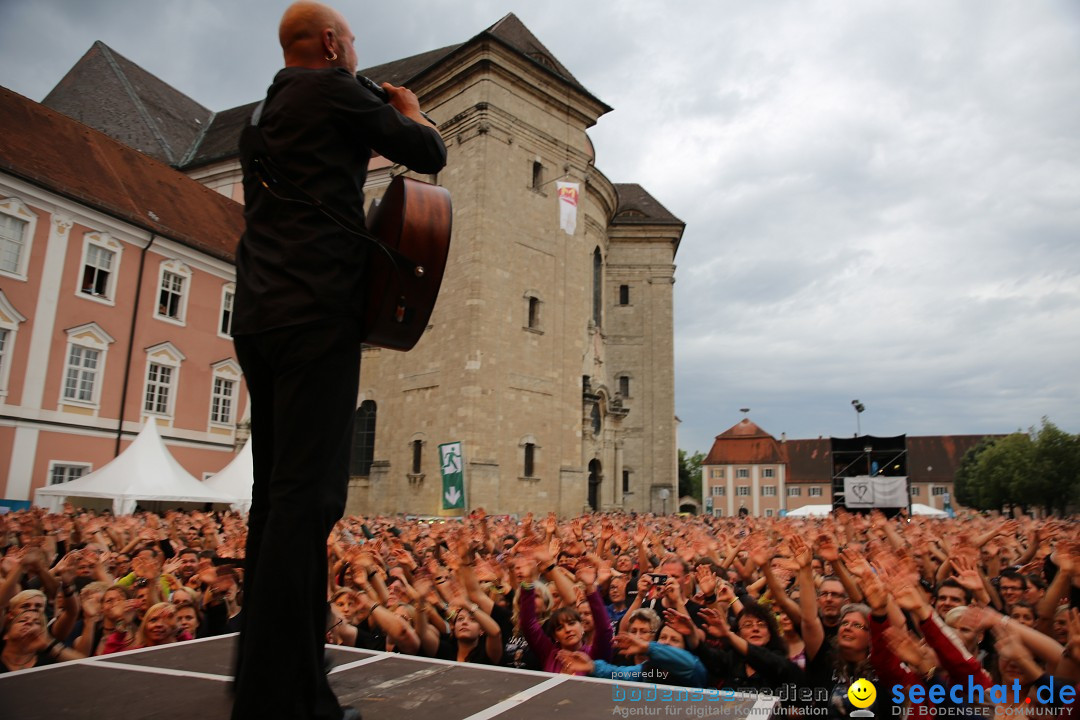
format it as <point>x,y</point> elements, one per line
<point>862,693</point>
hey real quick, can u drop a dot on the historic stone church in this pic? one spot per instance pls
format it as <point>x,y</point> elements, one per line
<point>549,354</point>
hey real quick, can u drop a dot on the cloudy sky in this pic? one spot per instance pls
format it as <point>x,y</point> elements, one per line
<point>882,199</point>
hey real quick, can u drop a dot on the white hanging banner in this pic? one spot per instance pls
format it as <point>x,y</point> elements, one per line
<point>568,202</point>
<point>879,491</point>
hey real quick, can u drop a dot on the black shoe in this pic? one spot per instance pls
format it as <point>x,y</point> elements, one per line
<point>350,713</point>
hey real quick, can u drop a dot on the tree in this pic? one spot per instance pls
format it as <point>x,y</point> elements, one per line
<point>1057,478</point>
<point>1039,468</point>
<point>966,482</point>
<point>1004,472</point>
<point>690,474</point>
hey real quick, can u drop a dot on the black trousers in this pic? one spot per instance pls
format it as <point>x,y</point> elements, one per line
<point>303,383</point>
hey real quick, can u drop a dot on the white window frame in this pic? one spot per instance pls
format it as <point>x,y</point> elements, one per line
<point>10,319</point>
<point>718,491</point>
<point>166,355</point>
<point>228,304</point>
<point>768,512</point>
<point>742,491</point>
<point>939,490</point>
<point>717,473</point>
<point>794,491</point>
<point>16,208</point>
<point>916,491</point>
<point>742,473</point>
<point>179,269</point>
<point>815,492</point>
<point>768,473</point>
<point>87,468</point>
<point>229,371</point>
<point>90,336</point>
<point>105,242</point>
<point>768,491</point>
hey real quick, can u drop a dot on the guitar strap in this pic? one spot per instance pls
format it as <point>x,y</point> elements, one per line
<point>275,181</point>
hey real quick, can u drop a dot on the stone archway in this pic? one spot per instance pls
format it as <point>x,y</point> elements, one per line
<point>595,478</point>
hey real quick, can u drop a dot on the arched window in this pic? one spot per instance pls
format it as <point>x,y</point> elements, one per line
<point>597,286</point>
<point>363,446</point>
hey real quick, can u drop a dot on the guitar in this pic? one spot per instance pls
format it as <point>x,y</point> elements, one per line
<point>414,219</point>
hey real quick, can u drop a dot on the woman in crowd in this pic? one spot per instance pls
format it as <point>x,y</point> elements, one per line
<point>475,637</point>
<point>158,627</point>
<point>27,644</point>
<point>755,656</point>
<point>188,620</point>
<point>118,620</point>
<point>563,630</point>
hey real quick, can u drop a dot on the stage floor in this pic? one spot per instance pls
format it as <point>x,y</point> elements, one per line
<point>190,680</point>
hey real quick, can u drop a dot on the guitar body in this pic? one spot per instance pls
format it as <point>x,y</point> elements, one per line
<point>414,218</point>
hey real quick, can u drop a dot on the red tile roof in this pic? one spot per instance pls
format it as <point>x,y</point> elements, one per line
<point>809,461</point>
<point>50,150</point>
<point>745,443</point>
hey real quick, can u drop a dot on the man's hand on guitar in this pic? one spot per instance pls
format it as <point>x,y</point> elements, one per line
<point>404,101</point>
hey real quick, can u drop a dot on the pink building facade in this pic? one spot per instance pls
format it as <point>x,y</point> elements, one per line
<point>116,286</point>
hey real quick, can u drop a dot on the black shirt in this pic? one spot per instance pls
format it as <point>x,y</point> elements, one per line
<point>295,264</point>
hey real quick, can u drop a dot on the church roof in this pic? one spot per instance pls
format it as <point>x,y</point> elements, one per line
<point>745,444</point>
<point>114,95</point>
<point>637,206</point>
<point>514,33</point>
<point>221,141</point>
<point>107,91</point>
<point>93,169</point>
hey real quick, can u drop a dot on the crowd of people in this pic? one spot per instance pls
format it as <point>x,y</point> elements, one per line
<point>798,608</point>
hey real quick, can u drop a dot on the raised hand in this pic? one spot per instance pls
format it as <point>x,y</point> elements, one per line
<point>760,551</point>
<point>1072,646</point>
<point>874,592</point>
<point>966,574</point>
<point>724,592</point>
<point>680,622</point>
<point>586,573</point>
<point>706,579</point>
<point>631,644</point>
<point>144,567</point>
<point>856,562</point>
<point>800,551</point>
<point>715,621</point>
<point>903,645</point>
<point>575,662</point>
<point>907,596</point>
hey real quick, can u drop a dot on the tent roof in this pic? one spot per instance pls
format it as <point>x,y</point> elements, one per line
<point>236,478</point>
<point>921,509</point>
<point>146,470</point>
<point>810,510</point>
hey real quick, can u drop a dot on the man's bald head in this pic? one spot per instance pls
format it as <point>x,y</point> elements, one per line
<point>312,34</point>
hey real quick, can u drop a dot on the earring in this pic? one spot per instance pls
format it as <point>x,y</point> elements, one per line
<point>332,57</point>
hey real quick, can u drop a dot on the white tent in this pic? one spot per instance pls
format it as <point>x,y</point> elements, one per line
<point>810,511</point>
<point>145,471</point>
<point>920,509</point>
<point>236,479</point>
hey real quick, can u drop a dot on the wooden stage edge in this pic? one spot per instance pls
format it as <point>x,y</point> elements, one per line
<point>191,680</point>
